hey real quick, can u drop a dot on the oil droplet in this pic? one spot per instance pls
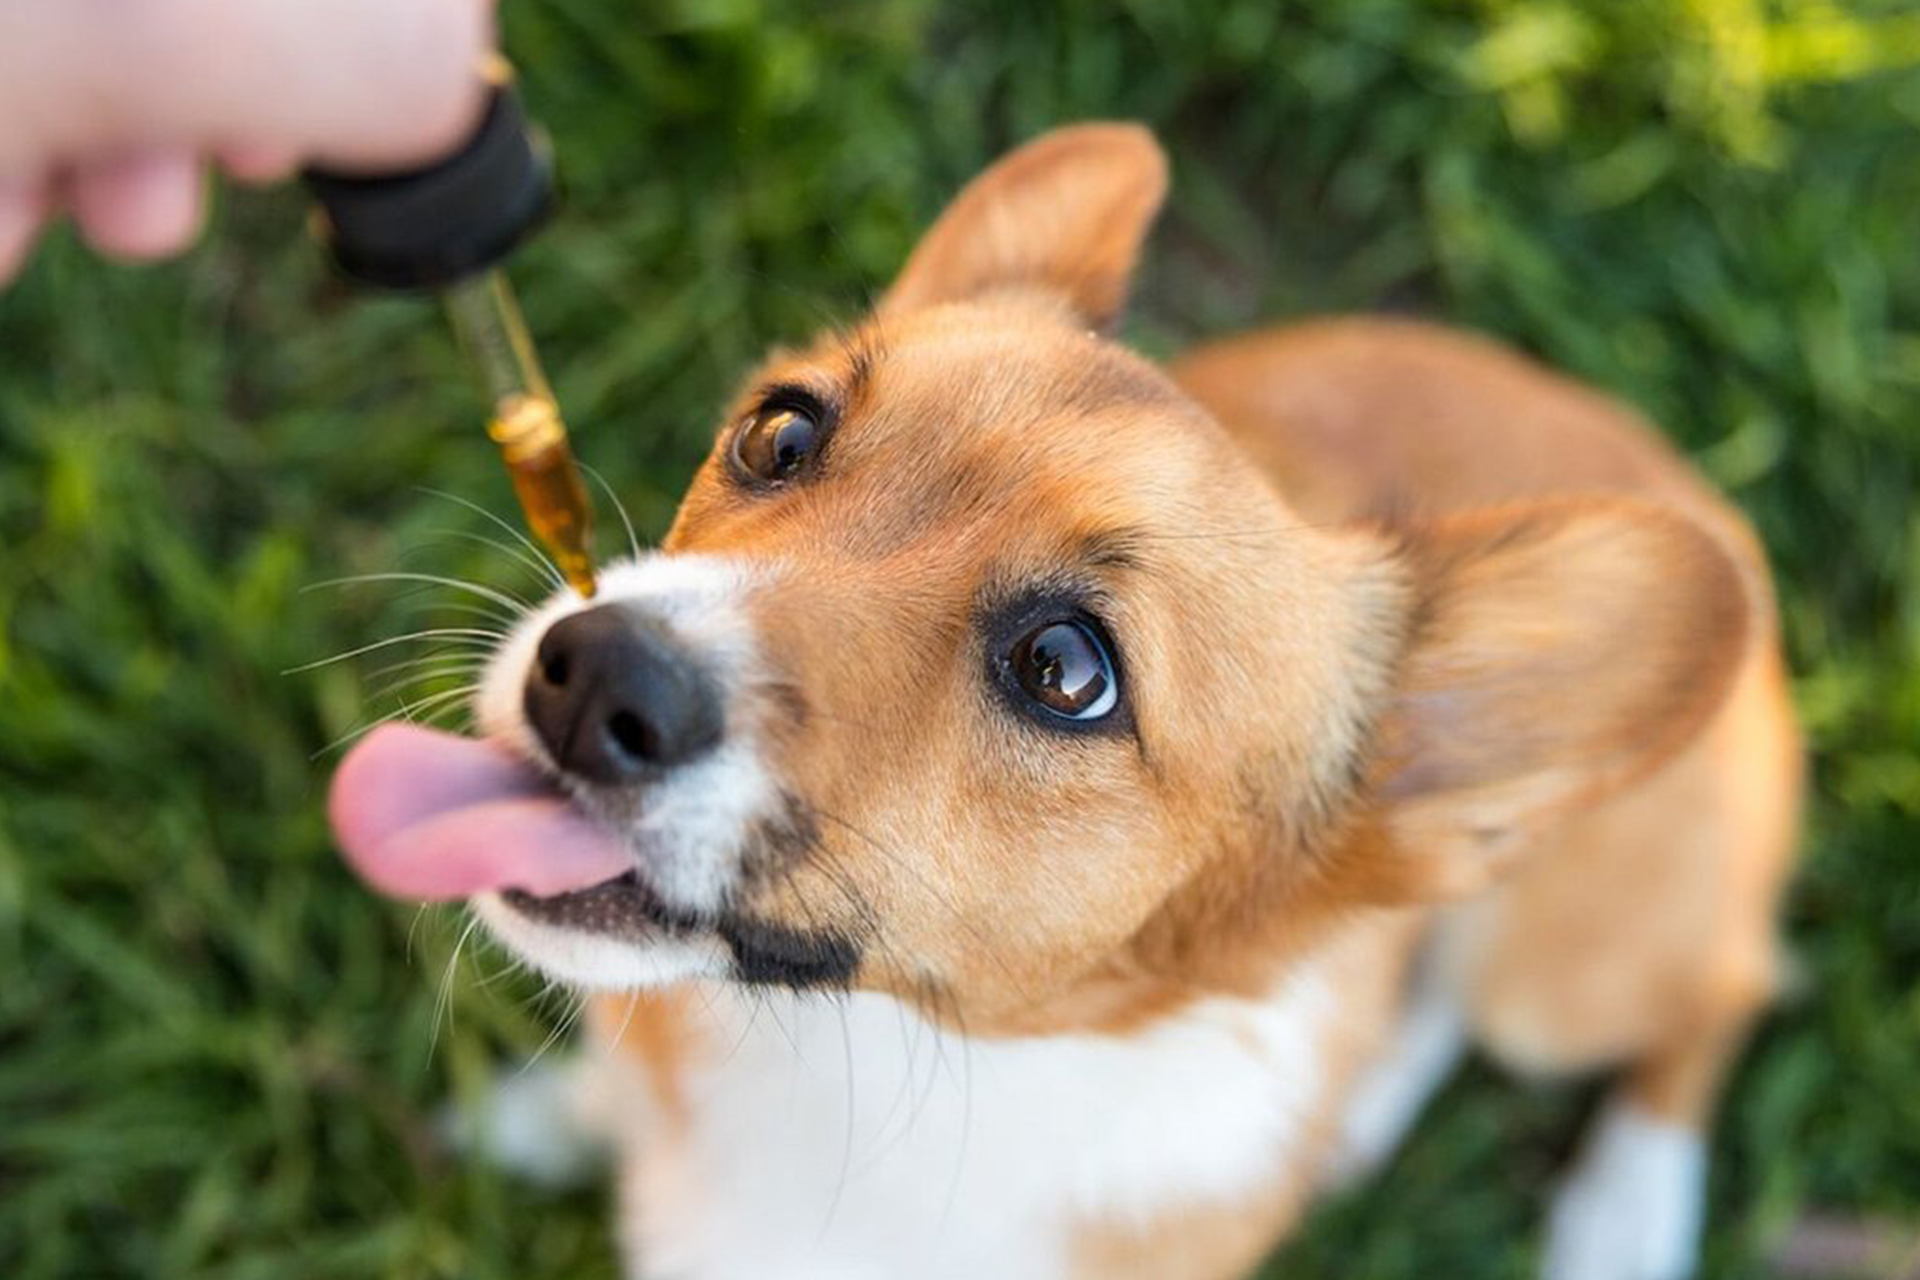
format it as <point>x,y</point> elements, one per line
<point>546,480</point>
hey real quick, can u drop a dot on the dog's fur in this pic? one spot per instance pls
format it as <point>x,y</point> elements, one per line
<point>1453,707</point>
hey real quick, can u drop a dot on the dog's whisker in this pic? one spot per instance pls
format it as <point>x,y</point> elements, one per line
<point>406,711</point>
<point>528,544</point>
<point>804,902</point>
<point>450,663</point>
<point>426,698</point>
<point>511,964</point>
<point>506,599</point>
<point>427,709</point>
<point>476,660</point>
<point>443,1000</point>
<point>413,928</point>
<point>756,1001</point>
<point>965,1039</point>
<point>773,1016</point>
<point>933,995</point>
<point>480,611</point>
<point>542,571</point>
<point>619,508</point>
<point>477,637</point>
<point>431,599</point>
<point>909,1054</point>
<point>399,687</point>
<point>846,1143</point>
<point>576,1005</point>
<point>485,613</point>
<point>836,877</point>
<point>633,1002</point>
<point>875,937</point>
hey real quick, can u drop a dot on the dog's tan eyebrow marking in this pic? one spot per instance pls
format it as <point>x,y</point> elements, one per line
<point>838,372</point>
<point>1112,548</point>
<point>861,359</point>
<point>862,350</point>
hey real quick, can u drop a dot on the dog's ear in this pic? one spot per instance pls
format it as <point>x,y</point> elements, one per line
<point>1065,215</point>
<point>1560,649</point>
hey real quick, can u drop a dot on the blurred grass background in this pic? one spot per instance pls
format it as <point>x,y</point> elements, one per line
<point>218,1056</point>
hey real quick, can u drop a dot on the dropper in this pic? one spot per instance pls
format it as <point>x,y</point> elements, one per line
<point>447,228</point>
<point>526,422</point>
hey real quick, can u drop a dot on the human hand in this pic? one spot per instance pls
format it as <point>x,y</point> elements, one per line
<point>113,110</point>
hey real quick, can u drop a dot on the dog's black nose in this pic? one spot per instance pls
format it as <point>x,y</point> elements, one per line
<point>614,696</point>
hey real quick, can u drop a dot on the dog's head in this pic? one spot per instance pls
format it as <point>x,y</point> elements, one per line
<point>981,668</point>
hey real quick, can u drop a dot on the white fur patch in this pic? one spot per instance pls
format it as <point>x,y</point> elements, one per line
<point>1631,1208</point>
<point>693,823</point>
<point>696,821</point>
<point>851,1139</point>
<point>594,962</point>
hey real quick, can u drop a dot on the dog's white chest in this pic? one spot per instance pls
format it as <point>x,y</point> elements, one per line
<point>841,1140</point>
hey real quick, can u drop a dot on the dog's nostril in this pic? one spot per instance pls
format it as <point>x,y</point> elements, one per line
<point>554,668</point>
<point>633,734</point>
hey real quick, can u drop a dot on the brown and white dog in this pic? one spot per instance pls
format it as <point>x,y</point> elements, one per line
<point>1044,815</point>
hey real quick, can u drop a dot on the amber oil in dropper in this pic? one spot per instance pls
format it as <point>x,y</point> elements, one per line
<point>526,423</point>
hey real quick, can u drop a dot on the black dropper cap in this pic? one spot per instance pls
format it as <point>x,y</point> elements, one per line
<point>427,228</point>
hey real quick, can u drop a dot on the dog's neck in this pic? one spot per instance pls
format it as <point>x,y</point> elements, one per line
<point>855,1125</point>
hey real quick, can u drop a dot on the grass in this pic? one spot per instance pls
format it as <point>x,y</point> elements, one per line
<point>218,1056</point>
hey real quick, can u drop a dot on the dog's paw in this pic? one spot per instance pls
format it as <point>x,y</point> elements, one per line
<point>1630,1210</point>
<point>1426,1046</point>
<point>536,1123</point>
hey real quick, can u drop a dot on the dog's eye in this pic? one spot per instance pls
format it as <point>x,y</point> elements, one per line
<point>777,441</point>
<point>1065,667</point>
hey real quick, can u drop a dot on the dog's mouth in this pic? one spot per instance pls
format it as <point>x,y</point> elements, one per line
<point>623,907</point>
<point>431,816</point>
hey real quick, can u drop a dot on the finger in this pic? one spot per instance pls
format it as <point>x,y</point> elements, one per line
<point>408,86</point>
<point>369,83</point>
<point>24,206</point>
<point>140,206</point>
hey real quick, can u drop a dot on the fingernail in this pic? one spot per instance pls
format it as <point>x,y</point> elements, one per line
<point>141,206</point>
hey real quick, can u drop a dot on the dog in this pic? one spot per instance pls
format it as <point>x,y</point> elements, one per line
<point>1047,815</point>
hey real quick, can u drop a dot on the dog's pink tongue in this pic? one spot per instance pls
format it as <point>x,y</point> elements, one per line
<point>423,814</point>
